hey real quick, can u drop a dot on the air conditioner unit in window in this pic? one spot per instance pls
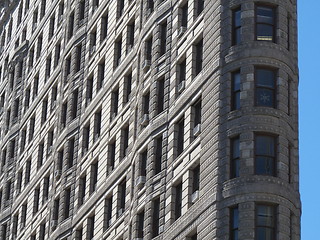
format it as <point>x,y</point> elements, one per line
<point>181,31</point>
<point>146,64</point>
<point>145,119</point>
<point>57,174</point>
<point>181,86</point>
<point>54,223</point>
<point>195,196</point>
<point>140,180</point>
<point>197,130</point>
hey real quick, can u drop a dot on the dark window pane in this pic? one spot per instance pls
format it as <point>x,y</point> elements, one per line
<point>265,97</point>
<point>264,165</point>
<point>264,32</point>
<point>265,15</point>
<point>265,78</point>
<point>265,145</point>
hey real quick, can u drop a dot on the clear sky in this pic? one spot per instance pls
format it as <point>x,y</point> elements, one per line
<point>309,103</point>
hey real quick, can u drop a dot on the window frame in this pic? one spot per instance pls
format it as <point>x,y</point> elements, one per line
<point>274,23</point>
<point>274,89</point>
<point>234,167</point>
<point>235,28</point>
<point>274,216</point>
<point>234,92</point>
<point>274,158</point>
<point>231,222</point>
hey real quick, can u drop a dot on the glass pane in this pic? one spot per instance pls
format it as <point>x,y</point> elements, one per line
<point>264,166</point>
<point>236,81</point>
<point>265,215</point>
<point>237,18</point>
<point>265,145</point>
<point>235,218</point>
<point>235,168</point>
<point>235,148</point>
<point>265,78</point>
<point>264,32</point>
<point>265,15</point>
<point>264,97</point>
<point>237,36</point>
<point>235,235</point>
<point>265,234</point>
<point>236,103</point>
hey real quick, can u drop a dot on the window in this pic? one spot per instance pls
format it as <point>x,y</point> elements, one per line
<point>104,27</point>
<point>59,162</point>
<point>4,230</point>
<point>27,172</point>
<point>23,215</point>
<point>54,93</point>
<point>56,206</point>
<point>197,118</point>
<point>112,157</point>
<point>114,103</point>
<point>265,222</point>
<point>120,7</point>
<point>140,223</point>
<point>36,199</point>
<point>122,198</point>
<point>93,42</point>
<point>117,52</point>
<point>97,124</point>
<point>125,141</point>
<point>182,74</point>
<point>145,105</point>
<point>82,8</point>
<point>78,58</point>
<point>57,55</point>
<point>108,213</point>
<point>90,228</point>
<point>31,128</point>
<point>265,23</point>
<point>15,226</point>
<point>100,79</point>
<point>184,17</point>
<point>143,163</point>
<point>44,111</point>
<point>235,88</point>
<point>45,192</point>
<point>158,155</point>
<point>199,7</point>
<point>95,5</point>
<point>19,182</point>
<point>148,51</point>
<point>39,46</point>
<point>127,87</point>
<point>160,95</point>
<point>27,98</point>
<point>85,139</point>
<point>265,87</point>
<point>150,7</point>
<point>265,155</point>
<point>48,67</point>
<point>89,90</point>
<point>235,157</point>
<point>236,26</point>
<point>234,223</point>
<point>79,233</point>
<point>163,38</point>
<point>43,9</point>
<point>155,217</point>
<point>195,179</point>
<point>93,177</point>
<point>177,201</point>
<point>71,146</point>
<point>130,36</point>
<point>198,57</point>
<point>42,231</point>
<point>35,86</point>
<point>180,135</point>
<point>51,27</point>
<point>70,25</point>
<point>82,190</point>
<point>68,66</point>
<point>67,200</point>
<point>74,104</point>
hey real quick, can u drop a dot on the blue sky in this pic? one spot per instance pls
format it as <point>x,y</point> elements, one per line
<point>309,103</point>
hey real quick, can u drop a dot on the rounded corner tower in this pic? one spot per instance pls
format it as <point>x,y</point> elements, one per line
<point>149,119</point>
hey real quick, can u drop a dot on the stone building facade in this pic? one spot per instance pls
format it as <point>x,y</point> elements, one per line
<point>149,119</point>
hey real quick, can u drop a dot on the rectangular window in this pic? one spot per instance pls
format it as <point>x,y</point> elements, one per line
<point>235,157</point>
<point>125,141</point>
<point>68,66</point>
<point>107,213</point>
<point>178,201</point>
<point>44,111</point>
<point>114,103</point>
<point>97,124</point>
<point>54,94</point>
<point>70,25</point>
<point>199,6</point>
<point>42,231</point>
<point>195,179</point>
<point>82,9</point>
<point>235,90</point>
<point>158,155</point>
<point>120,8</point>
<point>182,75</point>
<point>265,23</point>
<point>93,42</point>
<point>180,136</point>
<point>19,182</point>
<point>93,177</point>
<point>265,87</point>
<point>104,27</point>
<point>150,6</point>
<point>45,192</point>
<point>90,228</point>
<point>197,118</point>
<point>77,65</point>
<point>74,104</point>
<point>27,172</point>
<point>112,157</point>
<point>163,38</point>
<point>122,198</point>
<point>117,52</point>
<point>127,86</point>
<point>82,190</point>
<point>265,155</point>
<point>64,111</point>
<point>39,46</point>
<point>146,103</point>
<point>36,200</point>
<point>236,26</point>
<point>85,139</point>
<point>184,17</point>
<point>143,163</point>
<point>265,222</point>
<point>148,49</point>
<point>31,128</point>
<point>15,226</point>
<point>160,95</point>
<point>140,223</point>
<point>155,217</point>
<point>100,79</point>
<point>89,90</point>
<point>70,152</point>
<point>57,55</point>
<point>56,206</point>
<point>23,215</point>
<point>234,223</point>
<point>130,36</point>
<point>51,27</point>
<point>198,57</point>
<point>67,201</point>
